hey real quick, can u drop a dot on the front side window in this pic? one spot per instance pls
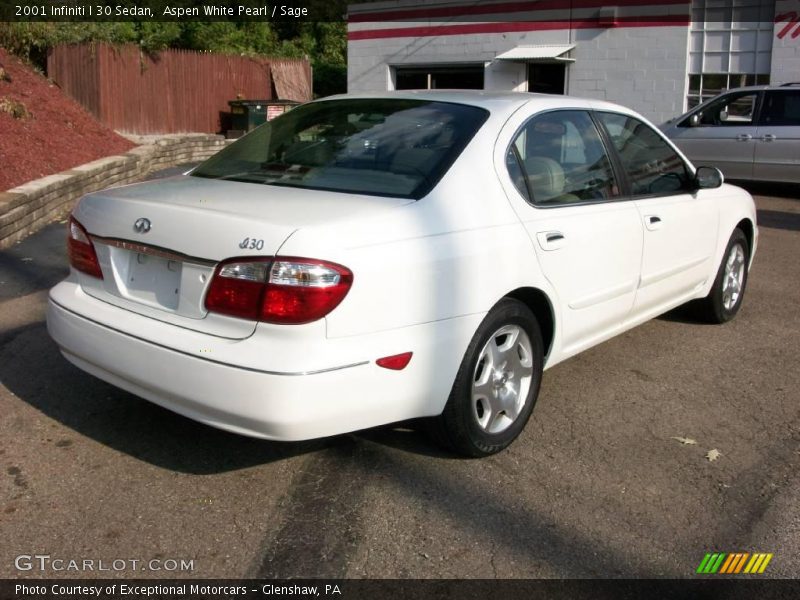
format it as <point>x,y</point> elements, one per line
<point>651,164</point>
<point>384,147</point>
<point>559,157</point>
<point>731,110</point>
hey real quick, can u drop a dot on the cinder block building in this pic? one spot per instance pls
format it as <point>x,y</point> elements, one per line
<point>659,58</point>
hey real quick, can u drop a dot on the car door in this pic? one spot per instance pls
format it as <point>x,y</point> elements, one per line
<point>679,221</point>
<point>724,134</point>
<point>777,145</point>
<point>587,244</point>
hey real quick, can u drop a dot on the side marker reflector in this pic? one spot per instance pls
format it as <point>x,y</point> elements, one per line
<point>396,362</point>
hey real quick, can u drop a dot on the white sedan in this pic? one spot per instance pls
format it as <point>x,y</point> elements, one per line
<point>364,260</point>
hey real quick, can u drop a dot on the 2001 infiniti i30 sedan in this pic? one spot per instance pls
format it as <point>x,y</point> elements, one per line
<point>364,260</point>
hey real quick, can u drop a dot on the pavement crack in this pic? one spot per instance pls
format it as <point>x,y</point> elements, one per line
<point>492,557</point>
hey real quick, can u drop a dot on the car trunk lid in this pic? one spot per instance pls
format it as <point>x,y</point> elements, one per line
<point>159,242</point>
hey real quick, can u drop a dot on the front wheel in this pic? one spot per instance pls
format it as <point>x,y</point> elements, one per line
<point>725,297</point>
<point>496,385</point>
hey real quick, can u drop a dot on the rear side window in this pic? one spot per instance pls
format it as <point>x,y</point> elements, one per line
<point>559,158</point>
<point>651,164</point>
<point>781,108</point>
<point>385,147</point>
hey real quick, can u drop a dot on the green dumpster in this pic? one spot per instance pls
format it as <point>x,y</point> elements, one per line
<point>246,115</point>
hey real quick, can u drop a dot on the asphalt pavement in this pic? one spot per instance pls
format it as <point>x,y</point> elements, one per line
<point>598,485</point>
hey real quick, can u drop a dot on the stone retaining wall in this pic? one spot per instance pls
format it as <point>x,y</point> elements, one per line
<point>27,208</point>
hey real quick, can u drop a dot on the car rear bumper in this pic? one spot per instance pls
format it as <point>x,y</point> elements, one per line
<point>121,348</point>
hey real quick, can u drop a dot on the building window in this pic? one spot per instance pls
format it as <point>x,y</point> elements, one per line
<point>730,46</point>
<point>469,77</point>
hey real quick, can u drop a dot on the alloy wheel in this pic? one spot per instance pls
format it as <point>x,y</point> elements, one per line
<point>502,379</point>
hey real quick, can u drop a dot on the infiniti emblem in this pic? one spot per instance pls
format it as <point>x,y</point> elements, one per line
<point>141,225</point>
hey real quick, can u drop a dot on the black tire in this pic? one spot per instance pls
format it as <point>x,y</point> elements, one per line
<point>717,306</point>
<point>458,428</point>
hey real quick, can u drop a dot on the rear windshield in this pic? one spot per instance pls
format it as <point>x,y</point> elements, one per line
<point>384,147</point>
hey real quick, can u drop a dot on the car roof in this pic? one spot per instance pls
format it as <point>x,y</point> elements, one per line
<point>495,102</point>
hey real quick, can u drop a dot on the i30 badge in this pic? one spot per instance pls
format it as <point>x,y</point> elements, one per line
<point>141,225</point>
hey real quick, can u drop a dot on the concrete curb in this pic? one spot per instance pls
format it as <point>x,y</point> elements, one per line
<point>29,207</point>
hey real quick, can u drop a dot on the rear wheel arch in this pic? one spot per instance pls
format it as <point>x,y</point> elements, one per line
<point>497,383</point>
<point>541,307</point>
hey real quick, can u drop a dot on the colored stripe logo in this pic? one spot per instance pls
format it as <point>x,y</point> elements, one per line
<point>733,563</point>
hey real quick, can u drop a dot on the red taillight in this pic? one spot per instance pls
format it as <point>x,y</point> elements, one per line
<point>302,290</point>
<point>81,250</point>
<point>285,290</point>
<point>237,288</point>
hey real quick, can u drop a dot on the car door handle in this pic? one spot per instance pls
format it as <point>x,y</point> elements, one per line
<point>652,222</point>
<point>550,240</point>
<point>743,137</point>
<point>769,138</point>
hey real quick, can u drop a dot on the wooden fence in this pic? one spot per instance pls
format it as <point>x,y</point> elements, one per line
<point>173,91</point>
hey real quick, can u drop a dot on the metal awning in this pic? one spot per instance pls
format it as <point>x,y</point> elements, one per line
<point>552,53</point>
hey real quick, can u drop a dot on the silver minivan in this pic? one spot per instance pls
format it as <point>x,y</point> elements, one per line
<point>749,133</point>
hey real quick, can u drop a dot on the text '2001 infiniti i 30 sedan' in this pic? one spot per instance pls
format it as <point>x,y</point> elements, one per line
<point>364,260</point>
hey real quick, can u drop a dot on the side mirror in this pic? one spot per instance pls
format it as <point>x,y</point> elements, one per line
<point>723,115</point>
<point>694,120</point>
<point>708,178</point>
